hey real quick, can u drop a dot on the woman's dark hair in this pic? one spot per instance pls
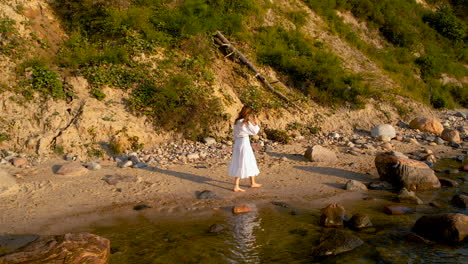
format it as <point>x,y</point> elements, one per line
<point>245,113</point>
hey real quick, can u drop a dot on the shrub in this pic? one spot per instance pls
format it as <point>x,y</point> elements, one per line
<point>98,94</point>
<point>43,80</point>
<point>446,23</point>
<point>4,137</point>
<point>429,66</point>
<point>135,145</point>
<point>277,135</point>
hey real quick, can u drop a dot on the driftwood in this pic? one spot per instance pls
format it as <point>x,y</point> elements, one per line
<point>221,40</point>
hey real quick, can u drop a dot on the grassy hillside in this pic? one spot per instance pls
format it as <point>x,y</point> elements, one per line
<point>161,53</point>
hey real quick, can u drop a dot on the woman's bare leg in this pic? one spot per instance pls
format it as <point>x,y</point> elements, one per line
<point>236,186</point>
<point>253,184</point>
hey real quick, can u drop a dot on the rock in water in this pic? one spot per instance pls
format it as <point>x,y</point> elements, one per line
<point>406,196</point>
<point>381,186</point>
<point>405,173</point>
<point>241,209</point>
<point>359,221</point>
<point>449,228</point>
<point>451,135</point>
<point>320,154</point>
<point>6,181</point>
<point>397,210</point>
<point>427,125</point>
<point>383,130</point>
<point>446,182</point>
<point>72,169</point>
<point>336,241</point>
<point>355,186</point>
<point>460,200</point>
<point>68,248</point>
<point>216,229</point>
<point>333,215</point>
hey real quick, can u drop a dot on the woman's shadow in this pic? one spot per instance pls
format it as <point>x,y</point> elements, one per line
<point>189,177</point>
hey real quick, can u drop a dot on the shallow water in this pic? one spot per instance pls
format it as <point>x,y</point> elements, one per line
<point>274,234</point>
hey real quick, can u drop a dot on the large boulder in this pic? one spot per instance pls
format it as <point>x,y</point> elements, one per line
<point>320,154</point>
<point>336,241</point>
<point>6,181</point>
<point>383,130</point>
<point>68,248</point>
<point>427,125</point>
<point>333,215</point>
<point>403,172</point>
<point>449,228</point>
<point>451,135</point>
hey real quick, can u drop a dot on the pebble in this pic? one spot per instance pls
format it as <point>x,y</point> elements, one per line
<point>413,141</point>
<point>140,165</point>
<point>94,166</point>
<point>125,164</point>
<point>439,141</point>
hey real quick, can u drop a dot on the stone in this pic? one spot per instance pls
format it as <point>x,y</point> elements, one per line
<point>19,162</point>
<point>241,209</point>
<point>139,165</point>
<point>402,124</point>
<point>430,138</point>
<point>334,135</point>
<point>94,166</point>
<point>7,181</point>
<point>125,164</point>
<point>399,138</point>
<point>459,200</point>
<point>461,114</point>
<point>68,248</point>
<point>451,135</point>
<point>355,186</point>
<point>405,173</point>
<point>140,207</point>
<point>413,141</point>
<point>383,130</point>
<point>359,221</point>
<point>69,157</point>
<point>318,153</point>
<point>397,210</point>
<point>333,215</point>
<point>335,241</point>
<point>72,169</point>
<point>387,146</point>
<point>446,182</point>
<point>209,141</point>
<point>439,141</point>
<point>427,125</point>
<point>115,179</point>
<point>206,194</point>
<point>216,229</point>
<point>410,197</point>
<point>380,186</point>
<point>193,156</point>
<point>449,228</point>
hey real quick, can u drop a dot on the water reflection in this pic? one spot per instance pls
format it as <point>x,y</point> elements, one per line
<point>242,240</point>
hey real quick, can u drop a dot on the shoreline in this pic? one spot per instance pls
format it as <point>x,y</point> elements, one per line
<point>46,203</point>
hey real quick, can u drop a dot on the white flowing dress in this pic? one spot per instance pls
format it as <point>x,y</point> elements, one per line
<point>243,164</point>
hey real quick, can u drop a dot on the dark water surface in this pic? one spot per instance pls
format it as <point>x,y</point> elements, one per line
<point>274,234</point>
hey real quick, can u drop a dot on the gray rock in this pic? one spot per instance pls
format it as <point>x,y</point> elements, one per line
<point>355,186</point>
<point>381,186</point>
<point>193,156</point>
<point>406,196</point>
<point>318,153</point>
<point>6,181</point>
<point>140,165</point>
<point>69,157</point>
<point>206,194</point>
<point>430,138</point>
<point>94,166</point>
<point>216,229</point>
<point>383,130</point>
<point>115,179</point>
<point>125,164</point>
<point>135,159</point>
<point>439,141</point>
<point>402,124</point>
<point>461,114</point>
<point>336,241</point>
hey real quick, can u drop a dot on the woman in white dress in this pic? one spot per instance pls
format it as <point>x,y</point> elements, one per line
<point>243,164</point>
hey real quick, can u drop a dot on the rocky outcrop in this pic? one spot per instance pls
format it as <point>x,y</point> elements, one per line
<point>335,242</point>
<point>68,248</point>
<point>449,228</point>
<point>403,172</point>
<point>320,154</point>
<point>427,125</point>
<point>333,215</point>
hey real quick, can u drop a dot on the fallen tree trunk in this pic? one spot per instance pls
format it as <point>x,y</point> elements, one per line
<point>221,40</point>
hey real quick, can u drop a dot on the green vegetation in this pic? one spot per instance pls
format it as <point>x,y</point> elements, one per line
<point>277,135</point>
<point>41,79</point>
<point>4,137</point>
<point>10,41</point>
<point>447,24</point>
<point>304,129</point>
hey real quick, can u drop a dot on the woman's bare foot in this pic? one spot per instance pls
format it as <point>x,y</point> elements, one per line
<point>237,189</point>
<point>256,185</point>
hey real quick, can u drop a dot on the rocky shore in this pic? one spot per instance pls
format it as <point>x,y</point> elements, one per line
<point>49,196</point>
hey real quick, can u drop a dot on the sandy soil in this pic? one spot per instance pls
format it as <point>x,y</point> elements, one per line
<point>47,203</point>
